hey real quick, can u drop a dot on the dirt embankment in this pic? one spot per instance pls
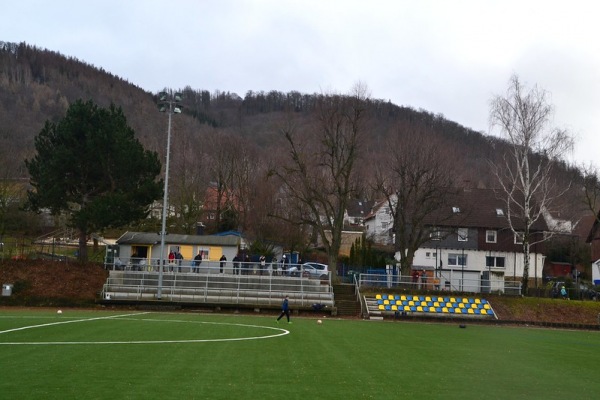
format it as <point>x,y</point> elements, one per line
<point>42,282</point>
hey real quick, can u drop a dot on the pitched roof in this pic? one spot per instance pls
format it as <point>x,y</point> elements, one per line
<point>173,238</point>
<point>479,208</point>
<point>359,208</point>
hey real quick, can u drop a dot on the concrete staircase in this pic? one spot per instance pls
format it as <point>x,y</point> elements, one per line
<point>372,309</point>
<point>345,300</point>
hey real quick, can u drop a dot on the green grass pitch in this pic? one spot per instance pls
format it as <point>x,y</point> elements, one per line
<point>147,355</point>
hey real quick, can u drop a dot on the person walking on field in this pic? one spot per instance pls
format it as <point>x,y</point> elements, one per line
<point>285,310</point>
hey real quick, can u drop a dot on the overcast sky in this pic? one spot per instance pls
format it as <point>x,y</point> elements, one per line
<point>447,57</point>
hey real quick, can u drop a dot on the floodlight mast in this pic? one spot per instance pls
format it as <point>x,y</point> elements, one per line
<point>169,103</point>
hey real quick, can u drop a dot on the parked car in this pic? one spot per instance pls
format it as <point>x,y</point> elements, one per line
<point>310,270</point>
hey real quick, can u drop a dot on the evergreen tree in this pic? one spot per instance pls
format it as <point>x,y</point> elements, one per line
<point>90,166</point>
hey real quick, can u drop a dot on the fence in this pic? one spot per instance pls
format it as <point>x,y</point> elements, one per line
<point>448,281</point>
<point>214,267</point>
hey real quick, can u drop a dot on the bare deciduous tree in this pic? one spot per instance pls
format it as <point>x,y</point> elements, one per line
<point>415,176</point>
<point>318,174</point>
<point>525,174</point>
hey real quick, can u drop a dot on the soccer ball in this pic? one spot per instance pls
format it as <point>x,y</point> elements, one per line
<point>319,321</point>
<point>59,312</point>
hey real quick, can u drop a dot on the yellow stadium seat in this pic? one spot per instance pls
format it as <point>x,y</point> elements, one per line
<point>465,300</point>
<point>486,306</point>
<point>411,303</point>
<point>428,299</point>
<point>403,297</point>
<point>440,300</point>
<point>474,305</point>
<point>391,297</point>
<point>406,308</point>
<point>452,300</point>
<point>461,305</point>
<point>423,303</point>
<point>470,311</point>
<point>420,309</point>
<point>457,311</point>
<point>477,301</point>
<point>436,304</point>
<point>431,309</point>
<point>449,305</point>
<point>394,308</point>
<point>386,302</point>
<point>415,298</point>
<point>381,307</point>
<point>378,297</point>
<point>445,309</point>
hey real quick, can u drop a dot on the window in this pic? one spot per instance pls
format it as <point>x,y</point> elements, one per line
<point>435,234</point>
<point>457,260</point>
<point>519,238</point>
<point>427,254</point>
<point>463,234</point>
<point>494,262</point>
<point>491,236</point>
<point>204,252</point>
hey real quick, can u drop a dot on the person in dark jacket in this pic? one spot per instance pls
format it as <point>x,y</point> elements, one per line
<point>285,310</point>
<point>222,262</point>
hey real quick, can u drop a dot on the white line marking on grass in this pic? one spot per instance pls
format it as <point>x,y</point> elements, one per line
<point>68,322</point>
<point>281,332</point>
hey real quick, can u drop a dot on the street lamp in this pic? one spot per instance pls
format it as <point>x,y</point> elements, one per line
<point>167,102</point>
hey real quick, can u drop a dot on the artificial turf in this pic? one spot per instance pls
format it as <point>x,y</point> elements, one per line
<point>136,355</point>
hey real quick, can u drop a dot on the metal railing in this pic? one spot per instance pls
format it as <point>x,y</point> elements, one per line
<point>450,282</point>
<point>214,267</point>
<point>248,283</point>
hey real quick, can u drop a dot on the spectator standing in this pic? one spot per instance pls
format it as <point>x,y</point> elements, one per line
<point>179,258</point>
<point>563,293</point>
<point>222,262</point>
<point>263,264</point>
<point>236,264</point>
<point>246,266</point>
<point>274,266</point>
<point>283,265</point>
<point>197,261</point>
<point>171,260</point>
<point>285,310</point>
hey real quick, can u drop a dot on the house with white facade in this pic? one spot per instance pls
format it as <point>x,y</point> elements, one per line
<point>474,249</point>
<point>379,222</point>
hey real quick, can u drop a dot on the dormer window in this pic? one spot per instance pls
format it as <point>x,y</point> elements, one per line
<point>455,210</point>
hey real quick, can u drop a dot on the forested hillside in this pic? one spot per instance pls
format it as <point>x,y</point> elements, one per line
<point>220,137</point>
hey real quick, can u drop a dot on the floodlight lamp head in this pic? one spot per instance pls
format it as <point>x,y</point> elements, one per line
<point>177,110</point>
<point>162,96</point>
<point>162,108</point>
<point>178,97</point>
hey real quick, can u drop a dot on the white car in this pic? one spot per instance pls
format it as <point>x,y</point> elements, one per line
<point>311,270</point>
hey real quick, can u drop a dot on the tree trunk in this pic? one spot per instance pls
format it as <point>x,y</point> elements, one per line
<point>82,255</point>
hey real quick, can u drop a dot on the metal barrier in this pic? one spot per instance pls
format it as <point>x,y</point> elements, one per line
<point>206,284</point>
<point>448,282</point>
